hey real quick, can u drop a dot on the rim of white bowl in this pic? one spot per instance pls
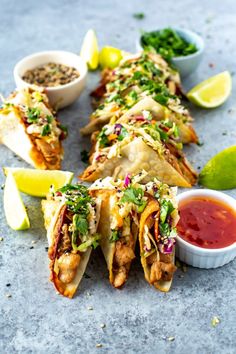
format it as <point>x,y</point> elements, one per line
<point>82,63</point>
<point>200,43</point>
<point>220,196</point>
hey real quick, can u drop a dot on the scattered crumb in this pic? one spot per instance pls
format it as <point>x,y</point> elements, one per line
<point>2,186</point>
<point>171,339</point>
<point>211,65</point>
<point>1,238</point>
<point>185,268</point>
<point>88,293</point>
<point>8,295</point>
<point>31,247</point>
<point>102,325</point>
<point>181,276</point>
<point>8,284</point>
<point>33,242</point>
<point>215,321</point>
<point>57,292</point>
<point>90,308</point>
<point>46,249</point>
<point>224,133</point>
<point>98,345</point>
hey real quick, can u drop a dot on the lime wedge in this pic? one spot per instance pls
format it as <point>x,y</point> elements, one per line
<point>220,171</point>
<point>109,57</point>
<point>14,208</point>
<point>38,182</point>
<point>89,50</point>
<point>212,92</point>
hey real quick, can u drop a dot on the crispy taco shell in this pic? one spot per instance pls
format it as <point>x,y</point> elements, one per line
<point>158,268</point>
<point>54,216</point>
<point>137,155</point>
<point>118,254</point>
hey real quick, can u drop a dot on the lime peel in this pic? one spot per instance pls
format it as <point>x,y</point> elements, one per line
<point>110,57</point>
<point>89,50</point>
<point>212,92</point>
<point>37,182</point>
<point>14,208</point>
<point>220,171</point>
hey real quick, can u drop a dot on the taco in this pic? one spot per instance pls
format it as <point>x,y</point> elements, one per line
<point>143,143</point>
<point>29,128</point>
<point>71,219</point>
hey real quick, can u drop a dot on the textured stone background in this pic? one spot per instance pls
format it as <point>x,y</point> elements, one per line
<point>138,319</point>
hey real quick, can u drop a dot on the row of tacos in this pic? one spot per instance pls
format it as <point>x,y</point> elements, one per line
<point>113,213</point>
<point>140,123</point>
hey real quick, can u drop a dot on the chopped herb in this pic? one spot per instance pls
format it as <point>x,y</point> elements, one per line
<point>33,114</point>
<point>95,244</point>
<point>114,236</point>
<point>137,75</point>
<point>46,130</point>
<point>166,209</point>
<point>123,134</point>
<point>163,135</point>
<point>101,106</point>
<point>49,118</point>
<point>116,97</point>
<point>63,128</point>
<point>164,229</point>
<point>135,196</point>
<point>200,143</point>
<point>102,138</point>
<point>168,43</point>
<point>84,154</point>
<point>163,100</point>
<point>139,15</point>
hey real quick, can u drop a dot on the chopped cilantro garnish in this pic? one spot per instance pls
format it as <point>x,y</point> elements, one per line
<point>114,236</point>
<point>49,118</point>
<point>135,196</point>
<point>63,128</point>
<point>123,134</point>
<point>102,138</point>
<point>46,130</point>
<point>115,98</point>
<point>168,43</point>
<point>166,210</point>
<point>80,223</point>
<point>160,98</point>
<point>95,244</point>
<point>139,15</point>
<point>33,114</point>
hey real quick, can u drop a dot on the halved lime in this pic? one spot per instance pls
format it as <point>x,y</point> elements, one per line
<point>38,182</point>
<point>89,50</point>
<point>14,208</point>
<point>220,171</point>
<point>109,57</point>
<point>212,92</point>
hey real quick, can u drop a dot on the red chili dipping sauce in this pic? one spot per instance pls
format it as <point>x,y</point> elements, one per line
<point>206,222</point>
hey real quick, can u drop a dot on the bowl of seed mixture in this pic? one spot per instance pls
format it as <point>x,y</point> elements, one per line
<point>62,74</point>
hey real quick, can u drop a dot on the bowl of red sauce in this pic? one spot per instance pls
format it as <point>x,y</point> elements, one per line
<point>206,228</point>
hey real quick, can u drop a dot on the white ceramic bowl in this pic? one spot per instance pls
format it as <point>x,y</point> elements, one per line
<point>189,63</point>
<point>59,96</point>
<point>203,257</point>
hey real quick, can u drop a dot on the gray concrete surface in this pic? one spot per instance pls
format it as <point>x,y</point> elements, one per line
<point>138,319</point>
